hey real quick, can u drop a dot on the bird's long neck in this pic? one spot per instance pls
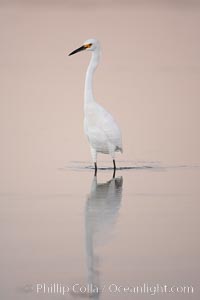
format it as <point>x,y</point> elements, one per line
<point>88,94</point>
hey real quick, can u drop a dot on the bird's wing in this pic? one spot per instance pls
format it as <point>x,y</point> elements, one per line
<point>111,129</point>
<point>104,126</point>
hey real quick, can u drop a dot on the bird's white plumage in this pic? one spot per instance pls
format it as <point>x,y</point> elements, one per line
<point>100,127</point>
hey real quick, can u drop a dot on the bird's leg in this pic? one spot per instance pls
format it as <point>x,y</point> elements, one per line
<point>114,168</point>
<point>95,169</point>
<point>94,159</point>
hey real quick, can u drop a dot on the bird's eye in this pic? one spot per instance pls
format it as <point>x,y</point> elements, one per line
<point>88,45</point>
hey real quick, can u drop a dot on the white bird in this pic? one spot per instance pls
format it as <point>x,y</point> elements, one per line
<point>101,129</point>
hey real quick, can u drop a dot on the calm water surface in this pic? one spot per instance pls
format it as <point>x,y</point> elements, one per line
<point>140,227</point>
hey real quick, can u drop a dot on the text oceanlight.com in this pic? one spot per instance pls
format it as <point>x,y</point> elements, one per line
<point>114,288</point>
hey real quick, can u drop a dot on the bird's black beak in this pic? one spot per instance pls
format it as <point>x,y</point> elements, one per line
<point>78,50</point>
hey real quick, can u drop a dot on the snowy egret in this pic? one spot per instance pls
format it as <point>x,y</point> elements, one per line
<point>100,127</point>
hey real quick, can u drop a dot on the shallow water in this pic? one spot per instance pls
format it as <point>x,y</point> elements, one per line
<point>139,228</point>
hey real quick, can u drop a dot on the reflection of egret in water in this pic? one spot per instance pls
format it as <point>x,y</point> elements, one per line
<point>101,212</point>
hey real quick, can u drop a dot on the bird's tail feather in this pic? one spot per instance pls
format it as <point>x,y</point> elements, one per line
<point>119,149</point>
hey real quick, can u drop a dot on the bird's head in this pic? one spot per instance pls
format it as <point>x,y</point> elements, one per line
<point>89,45</point>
